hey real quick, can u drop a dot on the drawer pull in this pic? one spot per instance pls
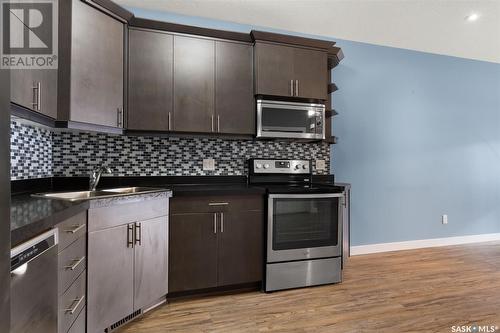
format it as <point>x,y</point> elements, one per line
<point>76,263</point>
<point>75,229</point>
<point>76,303</point>
<point>218,203</point>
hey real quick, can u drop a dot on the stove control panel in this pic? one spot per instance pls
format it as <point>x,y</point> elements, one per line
<point>259,166</point>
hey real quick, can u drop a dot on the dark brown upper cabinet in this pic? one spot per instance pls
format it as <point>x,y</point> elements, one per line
<point>234,99</point>
<point>35,89</point>
<point>311,72</point>
<point>274,70</point>
<point>87,89</point>
<point>290,71</point>
<point>194,85</point>
<point>150,80</point>
<point>91,67</point>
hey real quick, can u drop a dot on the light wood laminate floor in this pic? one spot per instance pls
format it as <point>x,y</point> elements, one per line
<point>427,290</point>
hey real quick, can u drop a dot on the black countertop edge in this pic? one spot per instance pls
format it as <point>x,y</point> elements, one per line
<point>181,185</point>
<point>32,216</point>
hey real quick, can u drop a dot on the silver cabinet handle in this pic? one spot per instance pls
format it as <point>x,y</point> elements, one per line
<point>221,222</point>
<point>76,263</point>
<point>169,121</point>
<point>218,203</point>
<point>119,115</point>
<point>291,87</point>
<point>37,87</point>
<point>218,124</point>
<point>296,87</point>
<point>130,235</point>
<point>75,229</point>
<point>212,122</point>
<point>215,223</point>
<point>76,303</point>
<point>39,96</point>
<point>138,233</point>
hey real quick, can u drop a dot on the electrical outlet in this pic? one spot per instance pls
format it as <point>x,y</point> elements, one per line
<point>320,165</point>
<point>444,219</point>
<point>208,164</point>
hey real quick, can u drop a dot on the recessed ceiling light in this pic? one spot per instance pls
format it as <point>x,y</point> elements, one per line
<point>472,17</point>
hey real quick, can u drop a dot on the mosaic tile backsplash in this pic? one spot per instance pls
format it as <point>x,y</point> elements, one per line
<point>77,154</point>
<point>30,151</point>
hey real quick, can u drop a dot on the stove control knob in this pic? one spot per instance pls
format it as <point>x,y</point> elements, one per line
<point>266,166</point>
<point>304,166</point>
<point>297,166</point>
<point>258,166</point>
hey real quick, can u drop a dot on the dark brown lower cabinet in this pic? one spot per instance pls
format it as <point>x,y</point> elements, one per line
<point>215,246</point>
<point>192,253</point>
<point>240,248</point>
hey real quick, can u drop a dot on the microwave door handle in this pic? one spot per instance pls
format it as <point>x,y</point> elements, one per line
<point>318,120</point>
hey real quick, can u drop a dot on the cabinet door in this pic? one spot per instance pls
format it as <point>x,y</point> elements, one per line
<point>151,262</point>
<point>240,247</point>
<point>194,95</point>
<point>23,92</point>
<point>274,69</point>
<point>96,67</point>
<point>310,73</point>
<point>110,278</point>
<point>234,99</point>
<point>150,80</point>
<point>192,252</point>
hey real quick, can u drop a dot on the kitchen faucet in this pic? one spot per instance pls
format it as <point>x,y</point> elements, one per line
<point>96,176</point>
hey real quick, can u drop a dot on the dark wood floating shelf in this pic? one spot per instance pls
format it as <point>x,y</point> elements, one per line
<point>330,113</point>
<point>332,140</point>
<point>332,87</point>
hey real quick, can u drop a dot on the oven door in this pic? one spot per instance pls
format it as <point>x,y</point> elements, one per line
<point>304,226</point>
<point>290,120</point>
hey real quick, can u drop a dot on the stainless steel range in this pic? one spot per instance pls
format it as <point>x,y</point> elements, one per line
<point>304,224</point>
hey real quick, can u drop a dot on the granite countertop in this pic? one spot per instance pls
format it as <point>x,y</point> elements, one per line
<point>30,216</point>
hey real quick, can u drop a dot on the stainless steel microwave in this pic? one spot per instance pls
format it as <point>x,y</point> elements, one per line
<point>277,119</point>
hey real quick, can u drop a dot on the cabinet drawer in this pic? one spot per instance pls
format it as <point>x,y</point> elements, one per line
<point>108,217</point>
<point>208,204</point>
<point>72,263</point>
<point>72,229</point>
<point>71,303</point>
<point>79,324</point>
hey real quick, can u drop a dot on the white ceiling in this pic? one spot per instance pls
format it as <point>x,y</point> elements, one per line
<point>436,26</point>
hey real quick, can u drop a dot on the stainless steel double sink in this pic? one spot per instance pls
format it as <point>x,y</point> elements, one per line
<point>98,194</point>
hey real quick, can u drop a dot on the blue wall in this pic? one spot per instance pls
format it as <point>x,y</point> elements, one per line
<point>419,136</point>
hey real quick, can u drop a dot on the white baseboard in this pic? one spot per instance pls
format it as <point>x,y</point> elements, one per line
<point>422,243</point>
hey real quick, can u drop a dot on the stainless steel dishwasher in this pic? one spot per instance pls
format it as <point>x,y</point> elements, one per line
<point>33,285</point>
